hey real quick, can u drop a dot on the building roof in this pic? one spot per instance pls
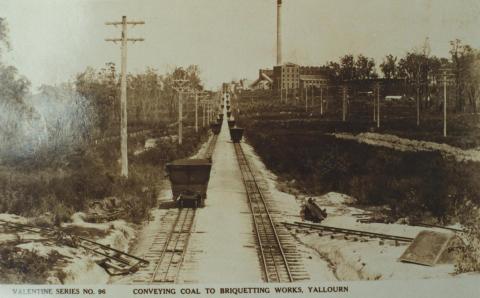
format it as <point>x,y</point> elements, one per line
<point>265,75</point>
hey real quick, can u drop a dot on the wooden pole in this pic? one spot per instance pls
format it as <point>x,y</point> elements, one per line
<point>196,111</point>
<point>306,99</point>
<point>378,105</point>
<point>445,103</point>
<point>180,118</point>
<point>321,101</point>
<point>123,89</point>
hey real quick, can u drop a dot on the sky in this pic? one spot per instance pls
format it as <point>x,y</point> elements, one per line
<point>52,40</point>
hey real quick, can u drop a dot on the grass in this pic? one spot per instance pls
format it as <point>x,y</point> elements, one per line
<point>58,187</point>
<point>23,266</point>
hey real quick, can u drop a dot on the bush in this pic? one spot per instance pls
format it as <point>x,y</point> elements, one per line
<point>23,266</point>
<point>469,255</point>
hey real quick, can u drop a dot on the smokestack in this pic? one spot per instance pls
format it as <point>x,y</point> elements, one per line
<point>279,32</point>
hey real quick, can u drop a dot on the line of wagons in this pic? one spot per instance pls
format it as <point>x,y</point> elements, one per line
<point>189,177</point>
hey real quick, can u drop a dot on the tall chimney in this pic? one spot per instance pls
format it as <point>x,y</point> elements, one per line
<point>279,32</point>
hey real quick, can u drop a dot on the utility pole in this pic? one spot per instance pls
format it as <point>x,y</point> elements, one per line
<point>123,88</point>
<point>378,105</point>
<point>181,87</point>
<point>203,110</point>
<point>313,97</point>
<point>444,103</point>
<point>418,101</point>
<point>196,111</point>
<point>344,103</point>
<point>208,113</point>
<point>306,98</point>
<point>374,105</point>
<point>198,94</point>
<point>321,100</point>
<point>445,77</point>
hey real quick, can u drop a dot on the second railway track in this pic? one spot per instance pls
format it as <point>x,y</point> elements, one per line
<point>278,257</point>
<point>168,249</point>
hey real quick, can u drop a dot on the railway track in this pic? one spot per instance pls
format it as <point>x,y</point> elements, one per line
<point>334,230</point>
<point>211,146</point>
<point>278,257</point>
<point>168,249</point>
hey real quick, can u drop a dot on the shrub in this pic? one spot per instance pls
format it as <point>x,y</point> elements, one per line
<point>24,266</point>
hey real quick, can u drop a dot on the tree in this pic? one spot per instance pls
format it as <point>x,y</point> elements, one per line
<point>333,71</point>
<point>347,67</point>
<point>101,88</point>
<point>365,68</point>
<point>389,67</point>
<point>463,58</point>
<point>191,73</point>
<point>13,109</point>
<point>4,40</point>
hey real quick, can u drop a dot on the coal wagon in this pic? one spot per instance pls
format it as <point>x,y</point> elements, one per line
<point>236,134</point>
<point>189,180</point>
<point>216,127</point>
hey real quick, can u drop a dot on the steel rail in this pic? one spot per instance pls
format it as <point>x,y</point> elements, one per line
<point>181,220</point>
<point>185,245</point>
<point>164,249</point>
<point>177,240</point>
<point>349,231</point>
<point>246,169</point>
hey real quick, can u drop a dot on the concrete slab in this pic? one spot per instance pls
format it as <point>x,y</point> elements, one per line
<point>223,245</point>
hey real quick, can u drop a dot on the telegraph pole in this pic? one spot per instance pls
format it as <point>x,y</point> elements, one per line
<point>445,76</point>
<point>306,98</point>
<point>378,105</point>
<point>444,103</point>
<point>181,87</point>
<point>344,103</point>
<point>321,100</point>
<point>123,87</point>
<point>196,111</point>
<point>313,97</point>
<point>203,110</point>
<point>418,101</point>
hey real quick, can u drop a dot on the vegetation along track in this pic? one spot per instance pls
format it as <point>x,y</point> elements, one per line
<point>168,249</point>
<point>279,260</point>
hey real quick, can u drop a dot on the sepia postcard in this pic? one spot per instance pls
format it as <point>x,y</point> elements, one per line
<point>253,148</point>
